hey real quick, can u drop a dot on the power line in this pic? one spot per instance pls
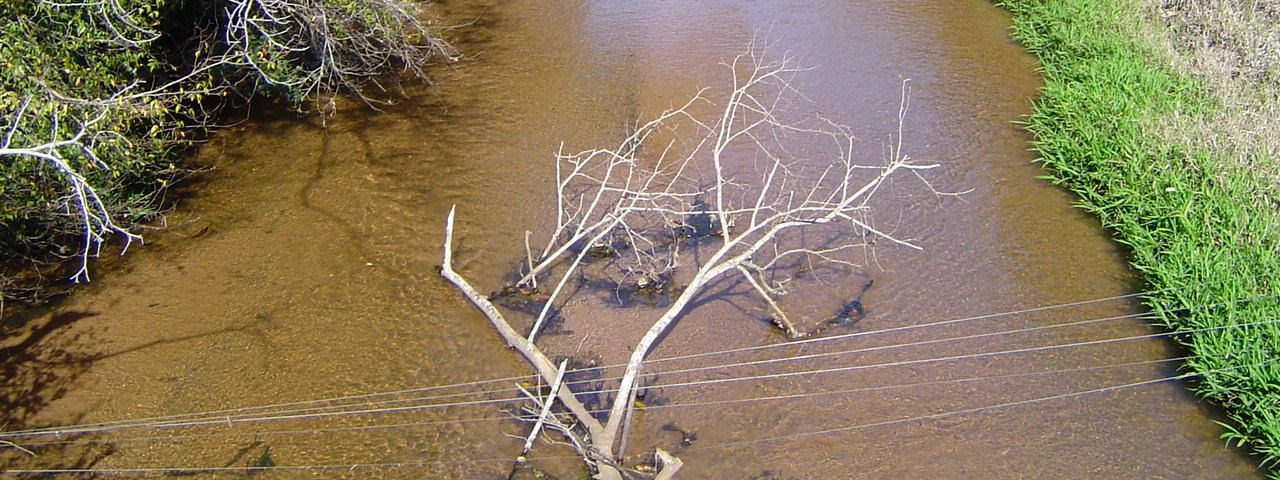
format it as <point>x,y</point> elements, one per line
<point>961,357</point>
<point>178,419</point>
<point>302,413</point>
<point>689,370</point>
<point>651,362</point>
<point>233,421</point>
<point>954,381</point>
<point>257,469</point>
<point>647,407</point>
<point>355,466</point>
<point>981,409</point>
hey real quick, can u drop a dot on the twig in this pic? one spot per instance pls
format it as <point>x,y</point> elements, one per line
<point>6,443</point>
<point>542,417</point>
<point>779,315</point>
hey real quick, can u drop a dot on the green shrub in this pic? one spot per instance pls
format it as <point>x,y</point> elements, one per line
<point>133,86</point>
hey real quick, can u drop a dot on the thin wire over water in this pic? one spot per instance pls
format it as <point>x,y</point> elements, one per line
<point>704,382</point>
<point>728,444</point>
<point>304,413</point>
<point>222,413</point>
<point>647,407</point>
<point>985,408</point>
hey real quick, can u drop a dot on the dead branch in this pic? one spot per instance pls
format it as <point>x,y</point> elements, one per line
<point>532,354</point>
<point>303,46</point>
<point>20,448</point>
<point>544,409</point>
<point>637,204</point>
<point>115,17</point>
<point>668,465</point>
<point>95,218</point>
<point>335,47</point>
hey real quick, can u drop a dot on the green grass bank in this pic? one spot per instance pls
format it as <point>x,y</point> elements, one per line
<point>1122,125</point>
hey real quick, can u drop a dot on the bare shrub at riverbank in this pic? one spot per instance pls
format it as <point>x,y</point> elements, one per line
<point>1233,48</point>
<point>321,46</point>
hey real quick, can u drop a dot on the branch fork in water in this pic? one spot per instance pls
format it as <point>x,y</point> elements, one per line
<point>648,193</point>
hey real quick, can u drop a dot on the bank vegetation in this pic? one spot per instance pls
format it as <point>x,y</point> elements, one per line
<point>100,98</point>
<point>1163,116</point>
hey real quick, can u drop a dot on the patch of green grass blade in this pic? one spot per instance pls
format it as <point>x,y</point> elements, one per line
<point>1188,216</point>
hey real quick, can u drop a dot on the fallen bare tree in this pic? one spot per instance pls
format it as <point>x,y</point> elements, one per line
<point>681,178</point>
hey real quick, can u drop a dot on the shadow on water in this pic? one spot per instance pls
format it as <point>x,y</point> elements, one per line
<point>39,363</point>
<point>32,365</point>
<point>42,359</point>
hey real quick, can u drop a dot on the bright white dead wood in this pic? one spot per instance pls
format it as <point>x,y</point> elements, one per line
<point>543,405</point>
<point>82,199</point>
<point>737,174</point>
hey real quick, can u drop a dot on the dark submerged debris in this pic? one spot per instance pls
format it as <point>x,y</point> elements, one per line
<point>525,469</point>
<point>530,301</point>
<point>586,374</point>
<point>849,314</point>
<point>686,437</point>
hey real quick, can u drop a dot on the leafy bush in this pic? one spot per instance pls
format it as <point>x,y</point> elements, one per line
<point>99,98</point>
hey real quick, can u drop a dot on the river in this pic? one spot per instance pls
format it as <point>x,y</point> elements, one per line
<point>302,266</point>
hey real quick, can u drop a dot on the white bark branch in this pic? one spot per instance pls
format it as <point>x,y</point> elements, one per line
<point>546,409</point>
<point>96,220</point>
<point>668,465</point>
<point>783,322</point>
<point>531,353</point>
<point>656,205</point>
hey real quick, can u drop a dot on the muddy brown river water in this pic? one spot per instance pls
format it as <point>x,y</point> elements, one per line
<point>303,267</point>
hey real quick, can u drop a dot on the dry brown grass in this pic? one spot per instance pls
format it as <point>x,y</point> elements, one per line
<point>1233,48</point>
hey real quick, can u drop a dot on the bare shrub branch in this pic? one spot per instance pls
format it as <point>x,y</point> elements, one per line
<point>82,199</point>
<point>115,17</point>
<point>314,46</point>
<point>687,179</point>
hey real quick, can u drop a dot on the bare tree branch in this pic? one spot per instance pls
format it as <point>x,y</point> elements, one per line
<point>95,218</point>
<point>636,205</point>
<point>337,48</point>
<point>532,354</point>
<point>668,465</point>
<point>544,409</point>
<point>302,47</point>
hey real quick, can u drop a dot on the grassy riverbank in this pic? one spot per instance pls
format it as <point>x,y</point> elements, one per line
<point>1162,151</point>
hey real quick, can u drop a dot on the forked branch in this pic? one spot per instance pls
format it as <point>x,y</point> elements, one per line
<point>57,153</point>
<point>677,180</point>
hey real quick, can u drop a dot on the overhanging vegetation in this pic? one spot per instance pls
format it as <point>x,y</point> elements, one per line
<point>99,98</point>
